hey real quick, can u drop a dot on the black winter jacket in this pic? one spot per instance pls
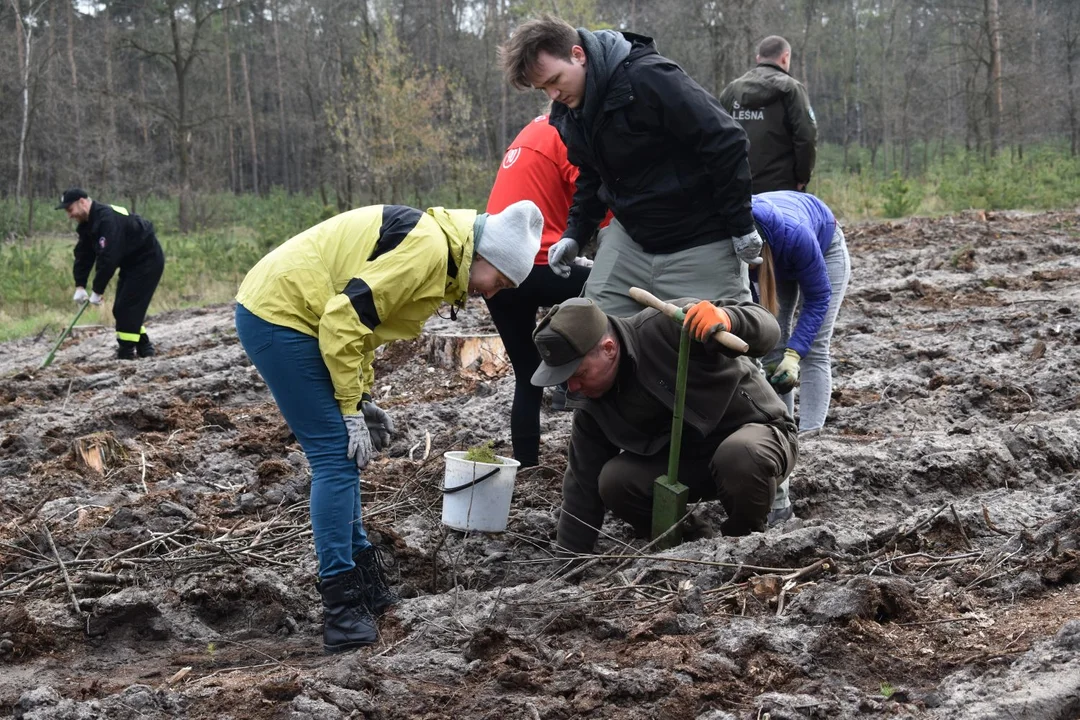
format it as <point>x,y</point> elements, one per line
<point>114,239</point>
<point>656,149</point>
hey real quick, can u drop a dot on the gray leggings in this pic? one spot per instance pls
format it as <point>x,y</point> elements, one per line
<point>815,376</point>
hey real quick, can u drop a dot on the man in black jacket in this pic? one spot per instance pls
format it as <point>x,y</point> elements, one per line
<point>775,111</point>
<point>112,238</point>
<point>654,147</point>
<point>739,442</point>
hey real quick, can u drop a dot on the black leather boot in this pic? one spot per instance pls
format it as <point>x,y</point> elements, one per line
<point>145,348</point>
<point>126,351</point>
<point>371,573</point>
<point>347,623</point>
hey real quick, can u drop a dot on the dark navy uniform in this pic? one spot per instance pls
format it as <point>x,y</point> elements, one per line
<point>115,239</point>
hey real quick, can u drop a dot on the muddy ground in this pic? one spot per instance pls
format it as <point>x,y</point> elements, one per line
<point>931,573</point>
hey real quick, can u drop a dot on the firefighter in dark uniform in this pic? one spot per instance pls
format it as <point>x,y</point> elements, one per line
<point>775,111</point>
<point>114,238</point>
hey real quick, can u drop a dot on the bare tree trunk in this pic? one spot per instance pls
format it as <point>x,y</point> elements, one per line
<point>1071,43</point>
<point>855,40</point>
<point>234,181</point>
<point>283,140</point>
<point>25,36</point>
<point>144,123</point>
<point>108,157</point>
<point>183,132</point>
<point>995,99</point>
<point>76,105</point>
<point>251,119</point>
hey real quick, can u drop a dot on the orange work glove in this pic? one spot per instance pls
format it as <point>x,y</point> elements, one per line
<point>704,319</point>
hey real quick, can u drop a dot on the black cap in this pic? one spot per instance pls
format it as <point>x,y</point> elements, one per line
<point>70,195</point>
<point>564,337</point>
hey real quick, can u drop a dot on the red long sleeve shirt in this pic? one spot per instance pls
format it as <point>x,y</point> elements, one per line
<point>535,168</point>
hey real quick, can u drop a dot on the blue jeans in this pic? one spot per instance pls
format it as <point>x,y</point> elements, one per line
<point>290,363</point>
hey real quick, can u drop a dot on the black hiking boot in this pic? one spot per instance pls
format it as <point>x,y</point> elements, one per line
<point>145,348</point>
<point>126,351</point>
<point>371,573</point>
<point>347,624</point>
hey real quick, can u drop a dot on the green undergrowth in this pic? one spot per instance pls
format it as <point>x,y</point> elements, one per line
<point>205,266</point>
<point>1043,177</point>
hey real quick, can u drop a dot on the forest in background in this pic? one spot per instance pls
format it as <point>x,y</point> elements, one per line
<point>234,124</point>
<point>354,102</point>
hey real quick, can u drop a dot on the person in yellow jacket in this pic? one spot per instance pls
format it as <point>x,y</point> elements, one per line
<point>310,314</point>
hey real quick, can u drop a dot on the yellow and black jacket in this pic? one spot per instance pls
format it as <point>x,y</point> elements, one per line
<point>361,279</point>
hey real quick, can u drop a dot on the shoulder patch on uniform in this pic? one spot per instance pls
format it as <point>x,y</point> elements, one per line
<point>511,157</point>
<point>810,111</point>
<point>101,242</point>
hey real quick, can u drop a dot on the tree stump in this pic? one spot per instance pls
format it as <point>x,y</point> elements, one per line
<point>97,451</point>
<point>470,354</point>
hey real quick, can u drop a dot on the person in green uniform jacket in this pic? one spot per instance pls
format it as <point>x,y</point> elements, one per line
<point>310,314</point>
<point>775,111</point>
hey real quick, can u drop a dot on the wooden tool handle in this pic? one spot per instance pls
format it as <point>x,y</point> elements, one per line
<point>646,298</point>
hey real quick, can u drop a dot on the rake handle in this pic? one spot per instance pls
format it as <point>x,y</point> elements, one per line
<point>52,353</point>
<point>728,340</point>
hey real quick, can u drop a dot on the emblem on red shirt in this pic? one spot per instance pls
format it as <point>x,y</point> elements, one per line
<point>511,157</point>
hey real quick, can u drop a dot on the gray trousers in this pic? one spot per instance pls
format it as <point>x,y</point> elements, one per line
<point>815,370</point>
<point>706,272</point>
<point>743,472</point>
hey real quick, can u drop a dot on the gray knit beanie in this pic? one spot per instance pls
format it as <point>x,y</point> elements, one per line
<point>509,240</point>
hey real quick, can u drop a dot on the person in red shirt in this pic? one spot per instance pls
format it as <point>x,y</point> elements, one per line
<point>534,168</point>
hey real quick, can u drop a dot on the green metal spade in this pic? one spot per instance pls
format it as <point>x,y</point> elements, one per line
<point>52,353</point>
<point>670,495</point>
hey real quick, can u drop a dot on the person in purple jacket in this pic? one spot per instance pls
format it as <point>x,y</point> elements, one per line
<point>805,271</point>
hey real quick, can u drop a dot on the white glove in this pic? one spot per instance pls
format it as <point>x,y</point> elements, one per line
<point>95,299</point>
<point>360,447</point>
<point>583,262</point>
<point>561,254</point>
<point>748,247</point>
<point>380,426</point>
<point>80,295</point>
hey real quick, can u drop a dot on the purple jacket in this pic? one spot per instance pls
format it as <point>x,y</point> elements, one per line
<point>798,229</point>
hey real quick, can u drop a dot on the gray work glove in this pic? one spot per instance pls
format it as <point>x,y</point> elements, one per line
<point>380,426</point>
<point>561,254</point>
<point>748,247</point>
<point>95,299</point>
<point>80,295</point>
<point>360,447</point>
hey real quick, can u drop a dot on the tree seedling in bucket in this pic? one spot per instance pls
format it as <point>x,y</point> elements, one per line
<point>670,495</point>
<point>478,489</point>
<point>483,453</point>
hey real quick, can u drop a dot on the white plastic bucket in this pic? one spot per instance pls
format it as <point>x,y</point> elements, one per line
<point>477,504</point>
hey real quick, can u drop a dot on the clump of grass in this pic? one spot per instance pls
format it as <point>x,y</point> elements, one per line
<point>484,453</point>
